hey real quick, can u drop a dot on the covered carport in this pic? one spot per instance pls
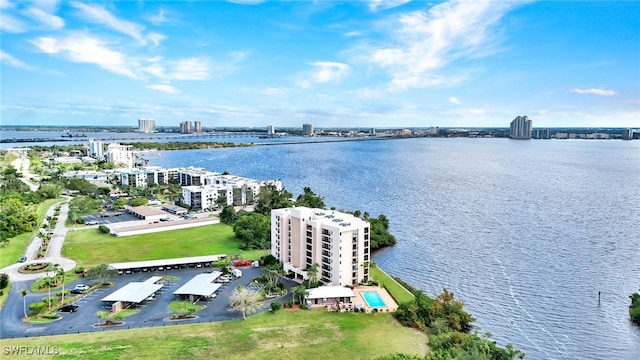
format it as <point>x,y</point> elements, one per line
<point>147,212</point>
<point>201,285</point>
<point>133,293</point>
<point>166,264</point>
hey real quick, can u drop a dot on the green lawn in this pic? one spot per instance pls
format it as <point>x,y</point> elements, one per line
<point>90,247</point>
<point>184,307</point>
<point>397,291</point>
<point>304,334</point>
<point>18,245</point>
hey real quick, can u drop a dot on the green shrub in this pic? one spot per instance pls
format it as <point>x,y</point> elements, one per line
<point>275,306</point>
<point>4,280</point>
<point>103,229</point>
<point>37,308</point>
<point>59,293</point>
<point>78,270</point>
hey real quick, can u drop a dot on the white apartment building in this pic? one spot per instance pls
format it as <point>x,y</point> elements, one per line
<point>307,129</point>
<point>121,155</point>
<point>338,242</point>
<point>146,125</point>
<point>520,128</point>
<point>96,149</point>
<point>144,176</point>
<point>205,197</point>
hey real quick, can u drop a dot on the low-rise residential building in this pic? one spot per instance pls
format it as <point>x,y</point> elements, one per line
<point>145,176</point>
<point>337,242</point>
<point>206,197</point>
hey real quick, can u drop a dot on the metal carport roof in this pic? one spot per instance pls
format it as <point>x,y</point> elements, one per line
<point>201,285</point>
<point>135,292</point>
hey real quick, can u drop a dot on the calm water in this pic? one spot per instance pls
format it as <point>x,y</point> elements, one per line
<point>526,232</point>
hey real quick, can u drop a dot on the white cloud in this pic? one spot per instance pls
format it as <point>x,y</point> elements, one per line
<point>82,48</point>
<point>159,18</point>
<point>166,88</point>
<point>191,69</point>
<point>454,100</point>
<point>11,24</point>
<point>156,38</point>
<point>51,21</point>
<point>599,92</point>
<point>375,5</point>
<point>424,43</point>
<point>476,111</point>
<point>6,4</point>
<point>99,14</point>
<point>12,61</point>
<point>324,72</point>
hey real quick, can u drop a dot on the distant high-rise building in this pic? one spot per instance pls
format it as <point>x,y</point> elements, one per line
<point>541,134</point>
<point>146,125</point>
<point>307,129</point>
<point>197,125</point>
<point>271,130</point>
<point>627,134</point>
<point>520,128</point>
<point>186,127</point>
<point>96,149</point>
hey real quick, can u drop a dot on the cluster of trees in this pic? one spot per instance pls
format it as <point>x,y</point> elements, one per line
<point>254,228</point>
<point>17,204</point>
<point>178,145</point>
<point>449,328</point>
<point>634,309</point>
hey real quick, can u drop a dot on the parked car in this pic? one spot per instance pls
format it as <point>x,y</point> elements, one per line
<point>82,287</point>
<point>22,259</point>
<point>91,222</point>
<point>69,308</point>
<point>77,291</point>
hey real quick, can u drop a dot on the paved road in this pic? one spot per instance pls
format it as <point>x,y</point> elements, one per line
<point>55,246</point>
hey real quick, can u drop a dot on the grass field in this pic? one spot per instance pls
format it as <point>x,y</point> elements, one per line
<point>90,247</point>
<point>18,245</point>
<point>307,334</point>
<point>397,291</point>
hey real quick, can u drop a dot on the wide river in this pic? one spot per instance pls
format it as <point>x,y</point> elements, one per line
<point>527,233</point>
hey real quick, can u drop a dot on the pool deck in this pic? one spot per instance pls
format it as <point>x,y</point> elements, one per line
<point>358,301</point>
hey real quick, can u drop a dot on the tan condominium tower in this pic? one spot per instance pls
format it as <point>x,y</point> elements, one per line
<point>337,242</point>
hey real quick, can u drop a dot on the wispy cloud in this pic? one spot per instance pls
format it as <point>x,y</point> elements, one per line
<point>324,72</point>
<point>82,48</point>
<point>375,5</point>
<point>6,4</point>
<point>48,19</point>
<point>99,14</point>
<point>12,61</point>
<point>425,42</point>
<point>191,69</point>
<point>454,100</point>
<point>166,88</point>
<point>593,91</point>
<point>158,18</point>
<point>11,24</point>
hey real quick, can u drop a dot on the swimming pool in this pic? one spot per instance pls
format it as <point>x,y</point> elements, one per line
<point>373,299</point>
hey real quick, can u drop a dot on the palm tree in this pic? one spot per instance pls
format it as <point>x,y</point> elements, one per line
<point>299,292</point>
<point>23,292</point>
<point>60,272</point>
<point>312,273</point>
<point>245,300</point>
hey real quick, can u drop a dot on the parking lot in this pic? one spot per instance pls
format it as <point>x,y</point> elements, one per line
<point>110,217</point>
<point>152,313</point>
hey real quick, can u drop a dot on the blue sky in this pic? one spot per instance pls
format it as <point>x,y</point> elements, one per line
<point>379,63</point>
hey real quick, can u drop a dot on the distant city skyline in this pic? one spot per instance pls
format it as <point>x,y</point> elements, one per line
<point>378,63</point>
